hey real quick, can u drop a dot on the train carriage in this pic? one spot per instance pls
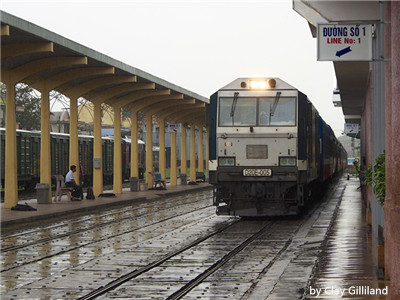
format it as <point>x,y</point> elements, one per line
<point>28,157</point>
<point>59,145</point>
<point>268,149</point>
<point>108,159</point>
<point>85,148</point>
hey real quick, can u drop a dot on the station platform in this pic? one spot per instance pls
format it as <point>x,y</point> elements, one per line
<point>65,206</point>
<point>345,267</point>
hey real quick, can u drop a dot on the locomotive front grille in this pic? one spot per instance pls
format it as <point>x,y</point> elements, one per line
<point>256,151</point>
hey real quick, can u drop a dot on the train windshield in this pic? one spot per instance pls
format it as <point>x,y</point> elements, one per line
<point>262,111</point>
<point>277,111</point>
<point>242,112</point>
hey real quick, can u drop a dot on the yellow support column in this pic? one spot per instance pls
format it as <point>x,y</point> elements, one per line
<point>11,180</point>
<point>162,149</point>
<point>73,137</point>
<point>201,155</point>
<point>173,159</point>
<point>97,151</point>
<point>192,153</point>
<point>134,145</point>
<point>45,154</point>
<point>149,150</point>
<point>117,179</point>
<point>183,150</point>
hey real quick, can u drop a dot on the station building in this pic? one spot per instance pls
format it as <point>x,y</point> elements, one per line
<point>370,97</point>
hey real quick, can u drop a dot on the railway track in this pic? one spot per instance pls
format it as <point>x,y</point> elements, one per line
<point>248,234</point>
<point>34,238</point>
<point>177,254</point>
<point>286,236</point>
<point>127,277</point>
<point>80,230</point>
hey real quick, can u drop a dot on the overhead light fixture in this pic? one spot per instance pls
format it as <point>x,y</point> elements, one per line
<point>258,84</point>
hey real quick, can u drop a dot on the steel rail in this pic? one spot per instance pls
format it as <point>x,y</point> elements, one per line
<point>200,278</point>
<point>125,278</point>
<point>96,241</point>
<point>62,235</point>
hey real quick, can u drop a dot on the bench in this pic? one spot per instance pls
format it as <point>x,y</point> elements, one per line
<point>158,181</point>
<point>61,188</point>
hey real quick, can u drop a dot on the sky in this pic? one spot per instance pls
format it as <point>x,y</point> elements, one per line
<point>199,45</point>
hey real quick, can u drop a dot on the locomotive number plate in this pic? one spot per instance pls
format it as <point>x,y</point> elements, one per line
<point>257,172</point>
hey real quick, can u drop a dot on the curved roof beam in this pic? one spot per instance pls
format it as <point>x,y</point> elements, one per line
<point>186,115</point>
<point>172,110</point>
<point>164,103</point>
<point>164,112</point>
<point>73,74</point>
<point>125,100</point>
<point>114,92</point>
<point>143,103</point>
<point>194,119</point>
<point>5,30</point>
<point>177,104</point>
<point>25,48</point>
<point>181,113</point>
<point>84,88</point>
<point>23,72</point>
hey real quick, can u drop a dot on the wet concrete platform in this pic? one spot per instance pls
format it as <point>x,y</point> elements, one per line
<point>64,207</point>
<point>345,268</point>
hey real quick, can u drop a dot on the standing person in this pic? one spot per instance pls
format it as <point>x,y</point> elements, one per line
<point>70,182</point>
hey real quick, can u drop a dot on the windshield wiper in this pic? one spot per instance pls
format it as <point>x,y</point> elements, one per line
<point>275,104</point>
<point>233,107</point>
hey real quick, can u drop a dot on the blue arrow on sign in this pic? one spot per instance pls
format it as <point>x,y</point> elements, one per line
<point>343,51</point>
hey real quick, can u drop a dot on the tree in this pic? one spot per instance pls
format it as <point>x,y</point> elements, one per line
<point>27,102</point>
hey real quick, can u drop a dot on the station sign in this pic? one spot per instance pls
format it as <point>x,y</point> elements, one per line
<point>344,42</point>
<point>350,128</point>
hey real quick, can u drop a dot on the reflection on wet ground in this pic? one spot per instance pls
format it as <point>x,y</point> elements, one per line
<point>43,262</point>
<point>70,259</point>
<point>345,269</point>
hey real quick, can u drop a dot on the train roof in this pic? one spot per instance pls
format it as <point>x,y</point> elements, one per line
<point>128,140</point>
<point>267,83</point>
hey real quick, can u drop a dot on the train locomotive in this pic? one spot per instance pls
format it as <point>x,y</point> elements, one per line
<point>270,150</point>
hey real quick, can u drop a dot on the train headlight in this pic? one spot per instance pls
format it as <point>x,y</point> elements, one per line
<point>287,161</point>
<point>226,161</point>
<point>258,84</point>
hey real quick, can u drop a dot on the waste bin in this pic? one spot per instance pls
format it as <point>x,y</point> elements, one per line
<point>134,181</point>
<point>42,193</point>
<point>183,178</point>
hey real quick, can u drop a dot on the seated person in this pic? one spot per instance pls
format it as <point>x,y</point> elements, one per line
<point>70,182</point>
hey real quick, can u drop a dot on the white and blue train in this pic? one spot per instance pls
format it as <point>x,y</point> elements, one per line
<point>270,151</point>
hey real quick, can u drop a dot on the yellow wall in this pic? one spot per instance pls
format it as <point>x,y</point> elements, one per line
<point>85,113</point>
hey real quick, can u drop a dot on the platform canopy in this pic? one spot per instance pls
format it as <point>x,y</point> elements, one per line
<point>36,56</point>
<point>352,76</point>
